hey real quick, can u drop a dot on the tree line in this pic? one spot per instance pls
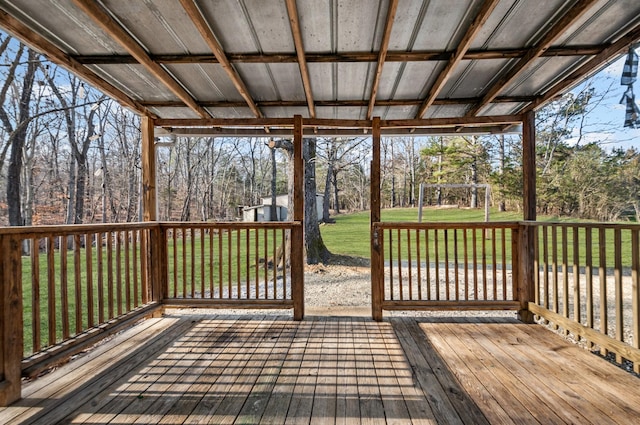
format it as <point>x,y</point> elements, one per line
<point>68,154</point>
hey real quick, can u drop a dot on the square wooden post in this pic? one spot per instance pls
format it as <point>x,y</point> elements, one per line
<point>297,233</point>
<point>156,245</point>
<point>11,329</point>
<point>526,284</point>
<point>377,260</point>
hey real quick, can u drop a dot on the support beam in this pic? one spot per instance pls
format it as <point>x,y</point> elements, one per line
<point>294,21</point>
<point>377,256</point>
<point>526,284</point>
<point>59,57</point>
<point>11,327</point>
<point>149,196</point>
<point>104,20</point>
<point>344,57</point>
<point>297,233</point>
<point>382,54</point>
<point>210,38</point>
<point>572,15</point>
<point>462,48</point>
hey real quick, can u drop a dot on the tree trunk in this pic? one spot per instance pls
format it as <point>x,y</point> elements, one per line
<point>314,245</point>
<point>502,206</point>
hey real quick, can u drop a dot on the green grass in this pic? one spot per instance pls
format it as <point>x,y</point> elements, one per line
<point>350,233</point>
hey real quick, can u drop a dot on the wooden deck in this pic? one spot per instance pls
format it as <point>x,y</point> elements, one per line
<point>271,370</point>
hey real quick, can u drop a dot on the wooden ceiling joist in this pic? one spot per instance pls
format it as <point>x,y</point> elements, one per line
<point>457,57</point>
<point>382,54</point>
<point>57,56</point>
<point>294,21</point>
<point>588,68</point>
<point>102,18</point>
<point>569,18</point>
<point>209,37</point>
<point>343,57</point>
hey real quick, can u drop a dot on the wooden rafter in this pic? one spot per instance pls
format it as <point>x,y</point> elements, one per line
<point>382,54</point>
<point>57,56</point>
<point>462,48</point>
<point>210,38</point>
<point>572,15</point>
<point>294,21</point>
<point>588,68</point>
<point>102,18</point>
<point>342,57</point>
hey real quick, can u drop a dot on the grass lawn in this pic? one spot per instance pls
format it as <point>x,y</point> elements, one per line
<point>350,233</point>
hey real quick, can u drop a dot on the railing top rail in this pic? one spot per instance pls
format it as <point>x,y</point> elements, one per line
<point>440,225</point>
<point>229,224</point>
<point>71,229</point>
<point>592,225</point>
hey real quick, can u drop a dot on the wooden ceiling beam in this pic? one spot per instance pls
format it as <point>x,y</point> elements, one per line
<point>296,32</point>
<point>210,38</point>
<point>462,48</point>
<point>342,103</point>
<point>57,56</point>
<point>589,68</point>
<point>338,123</point>
<point>569,18</point>
<point>391,56</point>
<point>382,54</point>
<point>102,18</point>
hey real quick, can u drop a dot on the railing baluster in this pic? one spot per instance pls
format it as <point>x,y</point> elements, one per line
<point>466,264</point>
<point>503,235</point>
<point>565,277</point>
<point>64,287</point>
<point>257,259</point>
<point>275,265</point>
<point>203,268</point>
<point>484,265</point>
<point>602,277</point>
<point>127,270</point>
<point>118,272</point>
<point>192,255</point>
<point>266,263</point>
<point>77,278</point>
<point>437,261</point>
<point>494,264</point>
<point>51,290</point>
<point>211,268</point>
<point>617,243</point>
<point>554,268</point>
<point>247,247</point>
<point>446,264</point>
<point>576,276</point>
<point>409,265</point>
<point>419,261</point>
<point>35,295</point>
<point>134,265</point>
<point>427,259</point>
<point>100,275</point>
<point>400,265</point>
<point>475,264</point>
<point>391,288</point>
<point>545,263</point>
<point>455,265</point>
<point>588,270</point>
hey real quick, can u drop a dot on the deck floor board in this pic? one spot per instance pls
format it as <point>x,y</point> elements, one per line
<point>341,370</point>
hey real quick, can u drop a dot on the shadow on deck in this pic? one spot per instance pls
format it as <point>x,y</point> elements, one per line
<point>267,369</point>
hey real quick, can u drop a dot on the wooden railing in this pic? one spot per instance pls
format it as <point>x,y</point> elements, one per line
<point>228,265</point>
<point>587,283</point>
<point>446,265</point>
<point>63,288</point>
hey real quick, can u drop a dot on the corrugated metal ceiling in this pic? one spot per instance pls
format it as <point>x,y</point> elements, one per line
<point>439,64</point>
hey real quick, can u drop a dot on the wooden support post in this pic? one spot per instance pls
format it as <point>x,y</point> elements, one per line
<point>297,233</point>
<point>148,170</point>
<point>526,284</point>
<point>11,329</point>
<point>377,260</point>
<point>156,245</point>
